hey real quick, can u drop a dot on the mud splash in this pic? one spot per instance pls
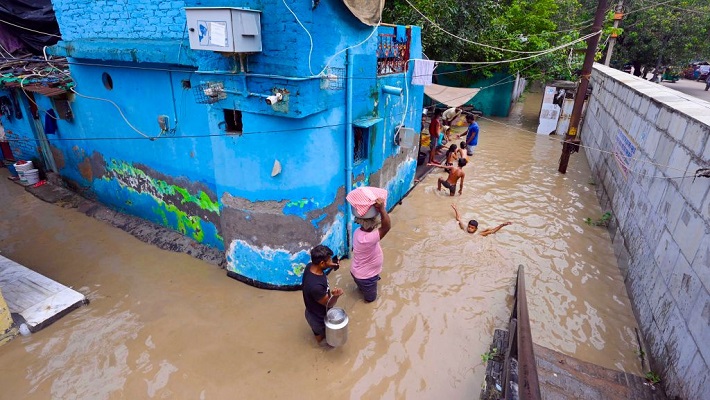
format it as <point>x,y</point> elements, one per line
<point>164,325</point>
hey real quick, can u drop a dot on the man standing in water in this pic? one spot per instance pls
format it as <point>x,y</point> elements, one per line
<point>367,252</point>
<point>455,174</point>
<point>316,292</point>
<point>472,225</point>
<point>471,134</point>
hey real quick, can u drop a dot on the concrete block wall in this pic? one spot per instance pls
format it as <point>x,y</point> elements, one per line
<point>661,229</point>
<point>127,19</point>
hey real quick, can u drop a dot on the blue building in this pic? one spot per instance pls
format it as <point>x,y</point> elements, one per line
<point>186,138</point>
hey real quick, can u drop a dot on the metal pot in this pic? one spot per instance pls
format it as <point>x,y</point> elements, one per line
<point>336,327</point>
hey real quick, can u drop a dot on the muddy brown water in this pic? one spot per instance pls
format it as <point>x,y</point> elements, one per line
<point>165,325</point>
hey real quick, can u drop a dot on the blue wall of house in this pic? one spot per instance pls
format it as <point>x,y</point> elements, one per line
<point>20,132</point>
<point>217,186</point>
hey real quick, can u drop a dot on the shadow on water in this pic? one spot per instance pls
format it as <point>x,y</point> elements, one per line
<point>164,325</point>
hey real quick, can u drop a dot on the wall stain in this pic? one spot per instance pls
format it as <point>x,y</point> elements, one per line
<point>181,204</point>
<point>58,155</point>
<point>284,225</point>
<point>85,169</point>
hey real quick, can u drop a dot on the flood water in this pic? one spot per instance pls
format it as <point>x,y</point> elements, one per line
<point>165,325</point>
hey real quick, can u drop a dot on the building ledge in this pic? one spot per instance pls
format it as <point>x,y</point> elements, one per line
<point>171,52</point>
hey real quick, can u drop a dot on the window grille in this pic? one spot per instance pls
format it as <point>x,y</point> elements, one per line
<point>392,53</point>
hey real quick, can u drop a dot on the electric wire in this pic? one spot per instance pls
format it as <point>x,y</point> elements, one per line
<point>521,58</point>
<point>467,40</point>
<point>310,38</point>
<point>22,87</point>
<point>28,29</point>
<point>117,108</point>
<point>647,7</point>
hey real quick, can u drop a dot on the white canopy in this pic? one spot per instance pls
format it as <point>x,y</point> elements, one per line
<point>450,96</point>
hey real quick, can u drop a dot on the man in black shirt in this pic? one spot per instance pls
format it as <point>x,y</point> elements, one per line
<point>316,292</point>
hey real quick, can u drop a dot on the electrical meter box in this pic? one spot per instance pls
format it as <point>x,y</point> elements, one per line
<point>224,29</point>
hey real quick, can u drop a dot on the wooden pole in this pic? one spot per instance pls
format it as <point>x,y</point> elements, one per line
<point>571,143</point>
<point>617,17</point>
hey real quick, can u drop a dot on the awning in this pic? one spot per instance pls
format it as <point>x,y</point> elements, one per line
<point>450,96</point>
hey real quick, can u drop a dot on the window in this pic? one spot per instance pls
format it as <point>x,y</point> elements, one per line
<point>393,51</point>
<point>362,139</point>
<point>233,121</point>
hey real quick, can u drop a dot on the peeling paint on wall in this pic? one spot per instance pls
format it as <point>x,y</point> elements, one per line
<point>184,206</point>
<point>270,242</point>
<point>397,176</point>
<point>278,267</point>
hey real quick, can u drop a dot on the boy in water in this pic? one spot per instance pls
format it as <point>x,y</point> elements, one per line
<point>472,225</point>
<point>316,292</point>
<point>462,151</point>
<point>455,174</point>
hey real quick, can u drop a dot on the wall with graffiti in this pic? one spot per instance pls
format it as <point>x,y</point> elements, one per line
<point>264,182</point>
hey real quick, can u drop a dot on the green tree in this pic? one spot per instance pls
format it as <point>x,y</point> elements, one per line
<point>520,25</point>
<point>666,33</point>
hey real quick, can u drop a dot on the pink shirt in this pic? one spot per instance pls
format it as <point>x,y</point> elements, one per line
<point>367,254</point>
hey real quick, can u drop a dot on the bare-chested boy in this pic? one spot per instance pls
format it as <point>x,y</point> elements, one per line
<point>472,225</point>
<point>455,174</point>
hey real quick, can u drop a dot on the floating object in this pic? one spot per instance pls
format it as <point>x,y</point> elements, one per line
<point>25,330</point>
<point>336,327</point>
<point>362,200</point>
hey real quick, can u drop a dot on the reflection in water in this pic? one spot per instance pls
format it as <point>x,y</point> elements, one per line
<point>165,325</point>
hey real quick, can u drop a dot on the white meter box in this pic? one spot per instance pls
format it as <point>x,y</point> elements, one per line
<point>224,29</point>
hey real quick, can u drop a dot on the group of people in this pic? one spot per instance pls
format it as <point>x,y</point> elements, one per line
<point>368,258</point>
<point>441,122</point>
<point>365,269</point>
<point>456,156</point>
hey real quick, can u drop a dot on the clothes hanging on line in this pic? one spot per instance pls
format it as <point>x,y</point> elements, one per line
<point>423,71</point>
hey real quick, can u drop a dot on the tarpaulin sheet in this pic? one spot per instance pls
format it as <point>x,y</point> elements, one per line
<point>37,15</point>
<point>450,96</point>
<point>369,12</point>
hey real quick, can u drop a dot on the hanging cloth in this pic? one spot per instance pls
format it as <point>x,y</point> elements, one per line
<point>369,12</point>
<point>50,122</point>
<point>423,70</point>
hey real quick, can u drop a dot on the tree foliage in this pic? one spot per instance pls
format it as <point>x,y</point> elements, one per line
<point>539,25</point>
<point>672,33</point>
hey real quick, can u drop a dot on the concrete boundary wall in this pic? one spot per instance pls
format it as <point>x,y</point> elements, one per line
<point>642,138</point>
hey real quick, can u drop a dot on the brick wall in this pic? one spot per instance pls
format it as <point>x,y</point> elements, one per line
<point>661,233</point>
<point>23,148</point>
<point>125,19</point>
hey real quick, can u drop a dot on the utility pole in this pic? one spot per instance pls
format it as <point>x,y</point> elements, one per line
<point>618,15</point>
<point>571,143</point>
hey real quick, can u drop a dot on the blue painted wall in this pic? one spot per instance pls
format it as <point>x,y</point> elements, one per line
<point>20,132</point>
<point>216,186</point>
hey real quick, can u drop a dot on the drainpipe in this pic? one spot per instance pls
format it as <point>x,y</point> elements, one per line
<point>349,143</point>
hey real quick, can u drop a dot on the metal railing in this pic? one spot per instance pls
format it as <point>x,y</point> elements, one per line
<point>520,348</point>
